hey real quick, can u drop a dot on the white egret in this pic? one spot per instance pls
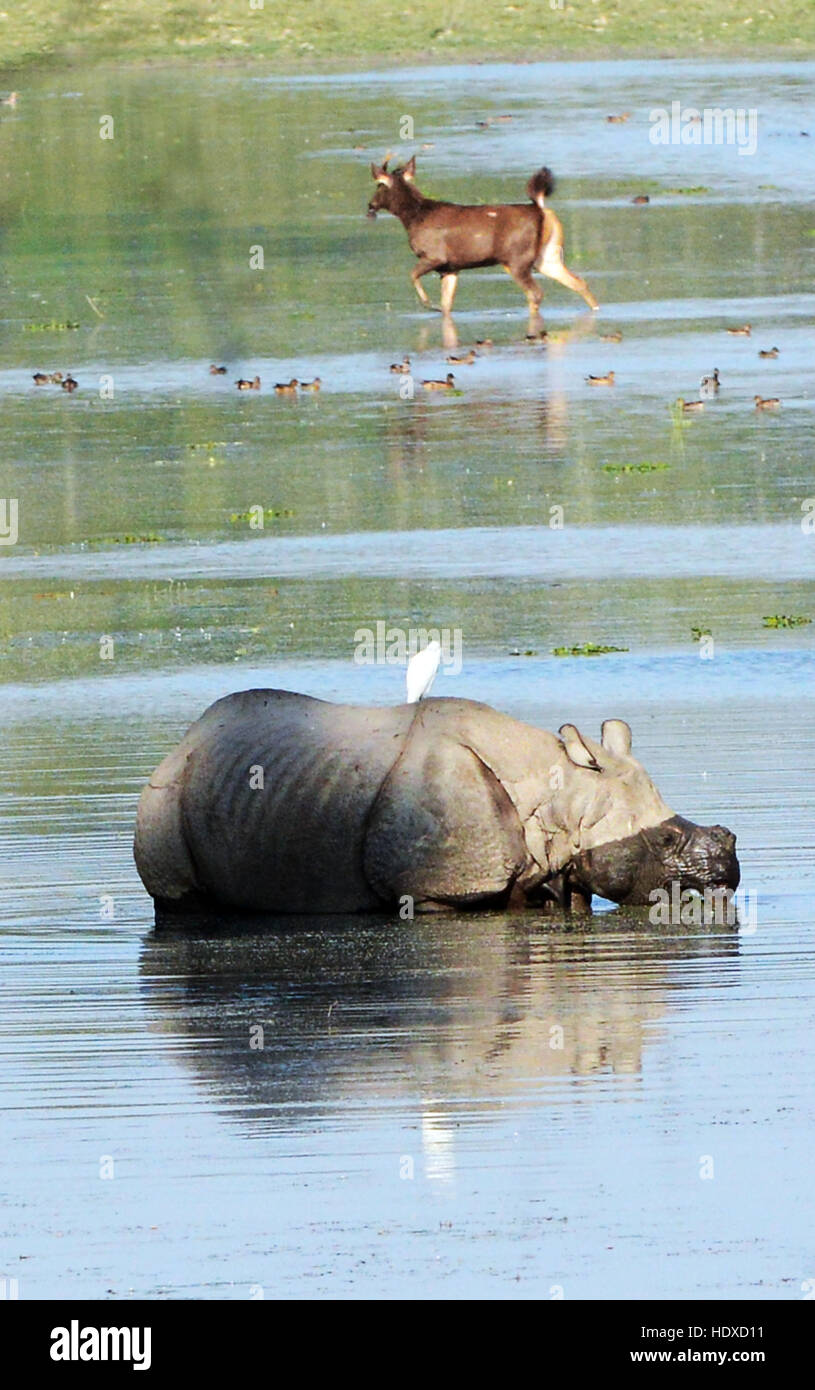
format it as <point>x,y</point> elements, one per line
<point>421,671</point>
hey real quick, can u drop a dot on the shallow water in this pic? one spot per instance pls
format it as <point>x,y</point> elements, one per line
<point>408,1126</point>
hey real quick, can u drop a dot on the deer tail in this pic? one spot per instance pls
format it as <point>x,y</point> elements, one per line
<point>540,186</point>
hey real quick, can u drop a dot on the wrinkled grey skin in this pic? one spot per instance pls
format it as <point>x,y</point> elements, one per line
<point>447,801</point>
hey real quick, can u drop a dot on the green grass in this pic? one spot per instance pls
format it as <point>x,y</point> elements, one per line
<point>334,33</point>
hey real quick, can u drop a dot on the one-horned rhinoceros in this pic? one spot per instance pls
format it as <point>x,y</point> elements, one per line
<point>282,803</point>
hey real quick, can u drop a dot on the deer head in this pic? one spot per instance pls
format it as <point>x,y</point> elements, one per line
<point>391,186</point>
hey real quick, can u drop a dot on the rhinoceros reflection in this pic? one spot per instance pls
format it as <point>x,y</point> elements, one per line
<point>451,1014</point>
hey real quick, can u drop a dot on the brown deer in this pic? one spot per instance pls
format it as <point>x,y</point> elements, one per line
<point>451,237</point>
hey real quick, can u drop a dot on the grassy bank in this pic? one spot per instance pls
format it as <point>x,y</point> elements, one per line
<point>316,34</point>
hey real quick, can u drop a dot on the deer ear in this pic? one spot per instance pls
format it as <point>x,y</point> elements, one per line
<point>409,171</point>
<point>617,737</point>
<point>576,750</point>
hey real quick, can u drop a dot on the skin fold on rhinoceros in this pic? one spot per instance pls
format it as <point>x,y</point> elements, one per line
<point>278,802</point>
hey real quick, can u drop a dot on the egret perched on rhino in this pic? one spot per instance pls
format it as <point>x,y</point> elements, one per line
<point>278,802</point>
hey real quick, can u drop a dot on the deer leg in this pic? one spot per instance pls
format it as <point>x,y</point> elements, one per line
<point>422,267</point>
<point>448,292</point>
<point>533,292</point>
<point>552,264</point>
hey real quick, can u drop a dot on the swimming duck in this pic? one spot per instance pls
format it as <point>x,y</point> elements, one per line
<point>483,342</point>
<point>768,352</point>
<point>244,385</point>
<point>641,198</point>
<point>607,380</point>
<point>311,385</point>
<point>287,388</point>
<point>446,385</point>
<point>217,371</point>
<point>611,337</point>
<point>766,402</point>
<point>618,120</point>
<point>465,361</point>
<point>56,378</point>
<point>69,384</point>
<point>709,385</point>
<point>689,406</point>
<point>401,368</point>
<point>41,378</point>
<point>743,332</point>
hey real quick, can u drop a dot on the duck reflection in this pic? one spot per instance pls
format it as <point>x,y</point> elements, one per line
<point>312,1016</point>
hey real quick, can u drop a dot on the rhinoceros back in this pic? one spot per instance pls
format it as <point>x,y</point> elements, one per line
<point>279,802</point>
<point>274,794</point>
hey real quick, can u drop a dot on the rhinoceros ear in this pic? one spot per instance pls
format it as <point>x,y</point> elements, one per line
<point>617,737</point>
<point>576,749</point>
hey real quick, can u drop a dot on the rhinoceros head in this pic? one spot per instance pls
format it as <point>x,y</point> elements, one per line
<point>630,842</point>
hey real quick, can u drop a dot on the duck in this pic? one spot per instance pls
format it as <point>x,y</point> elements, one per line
<point>611,337</point>
<point>56,378</point>
<point>640,199</point>
<point>766,402</point>
<point>217,371</point>
<point>618,120</point>
<point>69,384</point>
<point>768,352</point>
<point>311,385</point>
<point>244,385</point>
<point>401,368</point>
<point>688,407</point>
<point>743,332</point>
<point>709,385</point>
<point>465,361</point>
<point>483,342</point>
<point>41,378</point>
<point>446,385</point>
<point>287,388</point>
<point>607,380</point>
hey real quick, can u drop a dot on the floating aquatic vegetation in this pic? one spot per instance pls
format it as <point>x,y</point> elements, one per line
<point>149,539</point>
<point>697,633</point>
<point>783,620</point>
<point>587,649</point>
<point>254,514</point>
<point>53,326</point>
<point>635,467</point>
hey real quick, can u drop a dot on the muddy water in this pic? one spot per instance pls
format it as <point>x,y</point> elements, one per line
<point>411,1123</point>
